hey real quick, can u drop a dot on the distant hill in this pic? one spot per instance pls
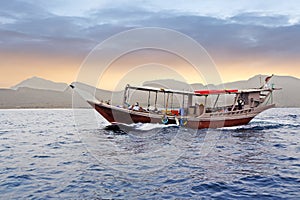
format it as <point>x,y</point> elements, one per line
<point>287,97</point>
<point>167,83</point>
<point>39,83</point>
<point>39,93</point>
<point>34,98</point>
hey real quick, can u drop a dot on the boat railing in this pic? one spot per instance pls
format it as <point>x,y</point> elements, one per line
<point>211,112</point>
<point>235,112</point>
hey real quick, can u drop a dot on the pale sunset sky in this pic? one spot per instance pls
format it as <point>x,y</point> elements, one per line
<point>51,39</point>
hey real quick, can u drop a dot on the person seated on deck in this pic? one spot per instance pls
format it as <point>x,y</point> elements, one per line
<point>136,107</point>
<point>241,104</point>
<point>152,109</point>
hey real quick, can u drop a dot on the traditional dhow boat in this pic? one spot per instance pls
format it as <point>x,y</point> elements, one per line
<point>197,109</point>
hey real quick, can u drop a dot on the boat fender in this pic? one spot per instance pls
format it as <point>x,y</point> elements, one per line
<point>164,120</point>
<point>177,121</point>
<point>183,122</point>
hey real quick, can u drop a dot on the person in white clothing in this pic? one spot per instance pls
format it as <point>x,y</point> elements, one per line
<point>136,107</point>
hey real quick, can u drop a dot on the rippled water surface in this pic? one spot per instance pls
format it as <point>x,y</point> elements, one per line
<point>52,154</point>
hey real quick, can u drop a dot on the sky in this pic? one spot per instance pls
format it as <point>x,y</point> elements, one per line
<point>51,39</point>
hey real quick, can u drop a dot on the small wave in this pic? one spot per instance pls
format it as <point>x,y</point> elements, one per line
<point>292,116</point>
<point>121,128</point>
<point>3,132</point>
<point>287,179</point>
<point>260,128</point>
<point>212,187</point>
<point>251,127</point>
<point>41,156</point>
<point>287,158</point>
<point>24,176</point>
<point>283,146</point>
<point>293,125</point>
<point>149,126</point>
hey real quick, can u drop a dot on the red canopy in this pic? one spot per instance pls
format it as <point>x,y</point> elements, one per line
<point>206,92</point>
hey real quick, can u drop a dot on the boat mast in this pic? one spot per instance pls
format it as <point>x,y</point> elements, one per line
<point>167,104</point>
<point>182,107</point>
<point>268,97</point>
<point>148,100</point>
<point>172,101</point>
<point>205,103</point>
<point>125,96</point>
<point>155,101</point>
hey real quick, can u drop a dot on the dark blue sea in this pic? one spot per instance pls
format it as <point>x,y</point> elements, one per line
<point>68,154</point>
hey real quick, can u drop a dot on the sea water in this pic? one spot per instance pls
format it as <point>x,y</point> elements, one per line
<point>68,154</point>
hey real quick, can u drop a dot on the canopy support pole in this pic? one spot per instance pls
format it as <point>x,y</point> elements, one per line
<point>125,97</point>
<point>167,103</point>
<point>155,102</point>
<point>172,101</point>
<point>235,101</point>
<point>216,101</point>
<point>205,104</point>
<point>148,100</point>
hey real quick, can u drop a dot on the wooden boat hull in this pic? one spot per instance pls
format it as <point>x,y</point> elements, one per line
<point>215,120</point>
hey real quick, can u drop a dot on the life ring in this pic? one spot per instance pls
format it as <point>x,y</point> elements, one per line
<point>164,120</point>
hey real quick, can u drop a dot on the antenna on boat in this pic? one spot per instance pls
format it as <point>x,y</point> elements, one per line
<point>260,80</point>
<point>83,93</point>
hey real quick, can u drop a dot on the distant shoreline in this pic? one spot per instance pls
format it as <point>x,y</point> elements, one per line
<point>38,93</point>
<point>24,108</point>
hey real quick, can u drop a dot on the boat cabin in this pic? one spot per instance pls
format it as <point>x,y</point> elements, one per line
<point>196,103</point>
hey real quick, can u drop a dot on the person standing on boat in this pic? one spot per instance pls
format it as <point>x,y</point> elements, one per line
<point>241,103</point>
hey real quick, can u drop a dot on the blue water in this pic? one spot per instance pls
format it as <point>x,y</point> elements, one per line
<point>52,154</point>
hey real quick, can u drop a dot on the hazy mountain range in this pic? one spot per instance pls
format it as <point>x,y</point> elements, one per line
<point>40,93</point>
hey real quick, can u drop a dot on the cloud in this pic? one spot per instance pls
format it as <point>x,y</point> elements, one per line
<point>261,19</point>
<point>22,10</point>
<point>33,27</point>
